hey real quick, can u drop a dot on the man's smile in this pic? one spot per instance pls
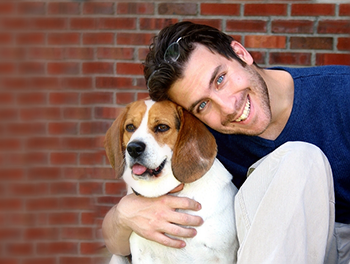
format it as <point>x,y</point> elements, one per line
<point>245,113</point>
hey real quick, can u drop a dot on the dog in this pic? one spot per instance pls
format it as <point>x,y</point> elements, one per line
<point>159,148</point>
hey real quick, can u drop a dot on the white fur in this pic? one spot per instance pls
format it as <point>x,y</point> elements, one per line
<point>216,240</point>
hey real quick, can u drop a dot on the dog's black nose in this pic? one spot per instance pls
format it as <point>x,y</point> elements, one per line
<point>136,148</point>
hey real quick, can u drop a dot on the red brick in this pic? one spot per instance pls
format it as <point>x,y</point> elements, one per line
<point>135,8</point>
<point>14,174</point>
<point>7,8</point>
<point>52,248</point>
<point>41,260</point>
<point>41,204</point>
<point>216,23</point>
<point>107,112</point>
<point>77,260</point>
<point>10,233</point>
<point>292,26</point>
<point>79,203</point>
<point>5,38</point>
<point>63,98</point>
<point>83,23</point>
<point>125,98</point>
<point>344,9</point>
<point>66,218</point>
<point>47,143</point>
<point>65,158</point>
<point>265,9</point>
<point>177,8</point>
<point>41,53</point>
<point>31,98</point>
<point>61,8</point>
<point>329,59</point>
<point>45,83</point>
<point>77,113</point>
<point>255,41</point>
<point>90,247</point>
<point>63,68</point>
<point>6,98</point>
<point>98,8</point>
<point>90,188</point>
<point>88,218</point>
<point>115,53</point>
<point>311,43</point>
<point>333,27</point>
<point>81,233</point>
<point>31,67</point>
<point>26,129</point>
<point>89,173</point>
<point>147,23</point>
<point>44,173</point>
<point>9,144</point>
<point>78,143</point>
<point>96,127</point>
<point>97,67</point>
<point>12,53</point>
<point>95,158</point>
<point>11,204</point>
<point>41,233</point>
<point>98,38</point>
<point>81,83</point>
<point>290,58</point>
<point>313,9</point>
<point>21,249</point>
<point>343,44</point>
<point>64,188</point>
<point>31,8</point>
<point>134,38</point>
<point>7,68</point>
<point>113,82</point>
<point>129,68</point>
<point>65,38</point>
<point>79,53</point>
<point>42,113</point>
<point>116,23</point>
<point>33,38</point>
<point>114,188</point>
<point>97,97</point>
<point>240,25</point>
<point>220,9</point>
<point>66,128</point>
<point>49,23</point>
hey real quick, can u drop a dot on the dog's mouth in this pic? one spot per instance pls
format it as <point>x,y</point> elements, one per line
<point>140,170</point>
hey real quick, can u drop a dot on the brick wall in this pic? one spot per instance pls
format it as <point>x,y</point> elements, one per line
<point>66,70</point>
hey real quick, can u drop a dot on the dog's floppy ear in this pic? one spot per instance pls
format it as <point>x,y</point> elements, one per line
<point>113,143</point>
<point>195,148</point>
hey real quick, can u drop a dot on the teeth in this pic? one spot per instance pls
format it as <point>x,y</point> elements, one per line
<point>246,112</point>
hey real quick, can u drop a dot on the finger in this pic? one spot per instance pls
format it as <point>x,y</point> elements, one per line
<point>168,241</point>
<point>183,203</point>
<point>185,219</point>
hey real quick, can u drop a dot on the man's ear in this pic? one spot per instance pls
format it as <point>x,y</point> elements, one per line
<point>241,52</point>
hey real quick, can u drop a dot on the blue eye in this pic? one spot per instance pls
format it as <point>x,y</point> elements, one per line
<point>220,79</point>
<point>202,106</point>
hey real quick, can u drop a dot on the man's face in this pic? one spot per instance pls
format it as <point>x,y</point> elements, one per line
<point>223,94</point>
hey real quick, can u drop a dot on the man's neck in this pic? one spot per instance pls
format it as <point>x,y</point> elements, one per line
<point>281,93</point>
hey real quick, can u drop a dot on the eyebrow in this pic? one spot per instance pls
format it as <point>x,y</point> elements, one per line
<point>212,78</point>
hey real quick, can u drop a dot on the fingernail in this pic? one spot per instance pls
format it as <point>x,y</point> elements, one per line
<point>199,206</point>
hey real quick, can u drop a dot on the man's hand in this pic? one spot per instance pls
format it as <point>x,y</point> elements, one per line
<point>150,218</point>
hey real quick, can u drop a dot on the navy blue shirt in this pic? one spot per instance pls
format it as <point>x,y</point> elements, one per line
<point>320,115</point>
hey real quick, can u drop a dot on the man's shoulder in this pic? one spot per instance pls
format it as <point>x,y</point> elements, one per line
<point>317,71</point>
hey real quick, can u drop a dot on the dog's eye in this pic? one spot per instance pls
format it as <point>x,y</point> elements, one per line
<point>130,128</point>
<point>162,128</point>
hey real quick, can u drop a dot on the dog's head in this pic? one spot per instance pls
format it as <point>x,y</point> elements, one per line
<point>156,146</point>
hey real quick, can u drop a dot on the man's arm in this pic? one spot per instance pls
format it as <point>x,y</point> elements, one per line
<point>150,218</point>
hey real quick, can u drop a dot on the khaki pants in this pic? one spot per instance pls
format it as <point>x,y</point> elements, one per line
<point>285,208</point>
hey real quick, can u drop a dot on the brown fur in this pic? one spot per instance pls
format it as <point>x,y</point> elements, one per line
<point>194,147</point>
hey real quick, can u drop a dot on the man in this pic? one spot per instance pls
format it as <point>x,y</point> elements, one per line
<point>252,113</point>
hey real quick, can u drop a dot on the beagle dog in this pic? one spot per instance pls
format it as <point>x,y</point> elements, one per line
<point>159,148</point>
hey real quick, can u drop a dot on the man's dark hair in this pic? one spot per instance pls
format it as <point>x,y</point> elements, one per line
<point>165,74</point>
